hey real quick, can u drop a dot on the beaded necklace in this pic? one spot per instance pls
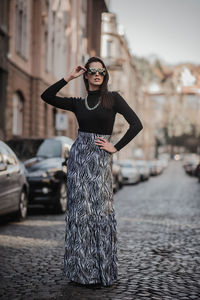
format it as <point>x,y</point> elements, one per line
<point>91,108</point>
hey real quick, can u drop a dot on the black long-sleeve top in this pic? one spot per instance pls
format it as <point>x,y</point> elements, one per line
<point>100,120</point>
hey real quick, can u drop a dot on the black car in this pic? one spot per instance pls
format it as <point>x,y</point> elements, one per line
<point>47,173</point>
<point>13,184</point>
<point>25,148</point>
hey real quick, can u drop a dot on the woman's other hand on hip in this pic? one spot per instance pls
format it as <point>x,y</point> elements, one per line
<point>105,145</point>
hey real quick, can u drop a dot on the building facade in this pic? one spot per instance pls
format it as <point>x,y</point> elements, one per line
<point>124,79</point>
<point>175,104</point>
<point>4,41</point>
<point>47,40</point>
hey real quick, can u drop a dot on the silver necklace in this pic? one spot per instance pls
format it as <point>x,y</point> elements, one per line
<point>91,108</point>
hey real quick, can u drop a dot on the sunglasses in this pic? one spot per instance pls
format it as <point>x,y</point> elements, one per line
<point>93,71</point>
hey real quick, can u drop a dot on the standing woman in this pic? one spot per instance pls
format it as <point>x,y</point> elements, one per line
<point>91,235</point>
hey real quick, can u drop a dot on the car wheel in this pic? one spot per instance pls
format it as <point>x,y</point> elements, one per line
<point>61,204</point>
<point>23,206</point>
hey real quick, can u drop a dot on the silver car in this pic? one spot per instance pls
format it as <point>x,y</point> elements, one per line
<point>13,184</point>
<point>130,172</point>
<point>143,169</point>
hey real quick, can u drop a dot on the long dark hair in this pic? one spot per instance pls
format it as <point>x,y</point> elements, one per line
<point>106,97</point>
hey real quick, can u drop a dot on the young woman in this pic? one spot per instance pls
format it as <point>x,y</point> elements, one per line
<point>91,235</point>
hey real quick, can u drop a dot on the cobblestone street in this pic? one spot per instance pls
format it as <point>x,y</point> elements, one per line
<point>158,246</point>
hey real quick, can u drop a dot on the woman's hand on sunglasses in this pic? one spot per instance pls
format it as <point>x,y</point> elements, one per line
<point>78,71</point>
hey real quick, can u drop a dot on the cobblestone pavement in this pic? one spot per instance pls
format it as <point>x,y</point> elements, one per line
<point>158,246</point>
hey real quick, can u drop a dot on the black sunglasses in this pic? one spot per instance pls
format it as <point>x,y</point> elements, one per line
<point>93,71</point>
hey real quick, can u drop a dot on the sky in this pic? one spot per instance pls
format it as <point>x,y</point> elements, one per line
<point>169,29</point>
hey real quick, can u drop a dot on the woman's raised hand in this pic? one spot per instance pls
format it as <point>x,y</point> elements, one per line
<point>78,71</point>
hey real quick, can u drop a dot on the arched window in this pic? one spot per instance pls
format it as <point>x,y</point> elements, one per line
<point>18,108</point>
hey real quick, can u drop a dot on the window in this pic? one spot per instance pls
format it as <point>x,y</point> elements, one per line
<point>46,51</point>
<point>55,36</point>
<point>21,27</point>
<point>53,40</point>
<point>4,15</point>
<point>192,101</point>
<point>17,128</point>
<point>109,49</point>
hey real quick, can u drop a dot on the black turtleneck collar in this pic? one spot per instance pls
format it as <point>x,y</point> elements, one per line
<point>97,92</point>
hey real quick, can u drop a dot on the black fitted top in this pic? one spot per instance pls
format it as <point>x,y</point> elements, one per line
<point>100,120</point>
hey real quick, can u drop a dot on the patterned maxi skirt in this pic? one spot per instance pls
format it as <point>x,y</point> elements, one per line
<point>91,236</point>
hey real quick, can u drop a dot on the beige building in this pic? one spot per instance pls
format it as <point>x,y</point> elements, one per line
<point>65,47</point>
<point>148,135</point>
<point>48,39</point>
<point>124,78</point>
<point>175,103</point>
<point>4,40</point>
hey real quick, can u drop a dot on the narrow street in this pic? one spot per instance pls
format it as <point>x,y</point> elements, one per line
<point>158,246</point>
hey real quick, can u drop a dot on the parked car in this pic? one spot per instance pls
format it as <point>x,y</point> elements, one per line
<point>166,157</point>
<point>117,176</point>
<point>164,163</point>
<point>47,173</point>
<point>152,167</point>
<point>130,172</point>
<point>197,172</point>
<point>143,169</point>
<point>25,148</point>
<point>190,163</point>
<point>190,167</point>
<point>156,166</point>
<point>160,166</point>
<point>13,184</point>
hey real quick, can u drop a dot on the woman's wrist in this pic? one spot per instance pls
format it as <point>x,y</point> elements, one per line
<point>115,149</point>
<point>67,79</point>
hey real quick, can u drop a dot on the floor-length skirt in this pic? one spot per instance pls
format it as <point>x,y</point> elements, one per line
<point>91,229</point>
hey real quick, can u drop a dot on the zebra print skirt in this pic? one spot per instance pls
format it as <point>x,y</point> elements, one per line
<point>91,236</point>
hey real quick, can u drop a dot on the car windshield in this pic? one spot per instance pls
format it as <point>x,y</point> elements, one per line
<point>126,165</point>
<point>50,148</point>
<point>25,148</point>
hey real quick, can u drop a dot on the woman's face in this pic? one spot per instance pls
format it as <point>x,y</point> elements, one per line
<point>95,80</point>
